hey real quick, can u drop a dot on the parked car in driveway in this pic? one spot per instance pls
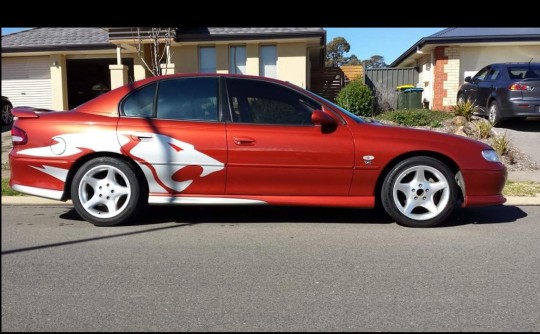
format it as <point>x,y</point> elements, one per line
<point>503,91</point>
<point>7,116</point>
<point>233,139</point>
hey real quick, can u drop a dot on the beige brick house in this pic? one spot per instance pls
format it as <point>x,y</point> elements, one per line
<point>444,59</point>
<point>60,68</point>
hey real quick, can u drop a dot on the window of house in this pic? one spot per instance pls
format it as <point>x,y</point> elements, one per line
<point>188,99</point>
<point>268,61</point>
<point>237,59</point>
<point>140,103</point>
<point>254,101</point>
<point>207,59</point>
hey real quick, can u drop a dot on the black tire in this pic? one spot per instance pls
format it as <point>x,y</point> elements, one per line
<point>460,99</point>
<point>419,192</point>
<point>7,116</point>
<point>494,114</point>
<point>106,192</point>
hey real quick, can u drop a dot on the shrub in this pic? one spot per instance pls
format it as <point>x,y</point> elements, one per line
<point>465,108</point>
<point>416,117</point>
<point>501,144</point>
<point>484,129</point>
<point>356,98</point>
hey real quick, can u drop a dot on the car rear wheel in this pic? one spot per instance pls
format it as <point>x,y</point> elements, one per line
<point>494,114</point>
<point>7,116</point>
<point>105,191</point>
<point>419,192</point>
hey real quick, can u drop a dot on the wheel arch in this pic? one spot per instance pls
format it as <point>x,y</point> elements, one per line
<point>82,160</point>
<point>432,154</point>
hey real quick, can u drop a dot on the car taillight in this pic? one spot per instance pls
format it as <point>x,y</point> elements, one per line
<point>520,87</point>
<point>18,136</point>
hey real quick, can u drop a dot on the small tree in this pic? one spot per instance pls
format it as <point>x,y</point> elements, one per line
<point>356,98</point>
<point>335,52</point>
<point>374,61</point>
<point>160,41</point>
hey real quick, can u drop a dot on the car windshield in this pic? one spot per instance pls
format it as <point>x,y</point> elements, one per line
<point>531,71</point>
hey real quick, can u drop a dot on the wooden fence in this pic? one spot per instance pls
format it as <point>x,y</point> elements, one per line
<point>327,82</point>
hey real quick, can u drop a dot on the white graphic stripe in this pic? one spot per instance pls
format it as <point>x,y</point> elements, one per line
<point>59,173</point>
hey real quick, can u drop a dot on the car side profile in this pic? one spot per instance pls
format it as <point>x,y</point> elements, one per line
<point>505,90</point>
<point>235,139</point>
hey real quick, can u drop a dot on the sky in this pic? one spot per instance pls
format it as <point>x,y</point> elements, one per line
<point>365,42</point>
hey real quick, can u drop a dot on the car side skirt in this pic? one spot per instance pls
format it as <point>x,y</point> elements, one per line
<point>328,201</point>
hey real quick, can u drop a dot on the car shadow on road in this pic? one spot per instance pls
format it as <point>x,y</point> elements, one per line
<point>190,215</point>
<point>525,125</point>
<point>498,214</point>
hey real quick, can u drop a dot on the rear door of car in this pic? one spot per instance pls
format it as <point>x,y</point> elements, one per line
<point>275,149</point>
<point>173,129</point>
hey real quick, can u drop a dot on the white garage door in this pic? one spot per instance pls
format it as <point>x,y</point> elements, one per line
<point>26,81</point>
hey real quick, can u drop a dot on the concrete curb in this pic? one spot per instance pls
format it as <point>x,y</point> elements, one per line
<point>32,200</point>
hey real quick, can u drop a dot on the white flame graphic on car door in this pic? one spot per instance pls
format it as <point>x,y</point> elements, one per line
<point>166,156</point>
<point>151,152</point>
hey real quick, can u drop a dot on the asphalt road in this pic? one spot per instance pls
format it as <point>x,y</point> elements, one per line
<point>270,269</point>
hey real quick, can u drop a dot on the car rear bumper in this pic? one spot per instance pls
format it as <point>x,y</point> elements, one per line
<point>524,108</point>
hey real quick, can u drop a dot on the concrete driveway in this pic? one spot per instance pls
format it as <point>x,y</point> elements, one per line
<point>524,135</point>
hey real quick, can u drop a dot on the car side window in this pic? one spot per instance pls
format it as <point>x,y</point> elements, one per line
<point>494,74</point>
<point>140,103</point>
<point>481,75</point>
<point>188,99</point>
<point>254,101</point>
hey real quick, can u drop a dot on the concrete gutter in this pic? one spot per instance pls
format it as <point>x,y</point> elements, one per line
<point>32,200</point>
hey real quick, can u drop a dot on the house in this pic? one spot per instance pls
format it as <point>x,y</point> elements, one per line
<point>444,59</point>
<point>60,68</point>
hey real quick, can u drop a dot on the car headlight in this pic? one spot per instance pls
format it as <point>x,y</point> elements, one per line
<point>491,155</point>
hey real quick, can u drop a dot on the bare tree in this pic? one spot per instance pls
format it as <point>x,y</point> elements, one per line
<point>160,41</point>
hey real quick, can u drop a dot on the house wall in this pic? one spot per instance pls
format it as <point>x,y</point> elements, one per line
<point>291,63</point>
<point>474,58</point>
<point>425,78</point>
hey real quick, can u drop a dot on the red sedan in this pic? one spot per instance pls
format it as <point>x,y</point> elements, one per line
<point>231,139</point>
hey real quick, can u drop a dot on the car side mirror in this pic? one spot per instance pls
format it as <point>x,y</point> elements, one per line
<point>319,117</point>
<point>468,79</point>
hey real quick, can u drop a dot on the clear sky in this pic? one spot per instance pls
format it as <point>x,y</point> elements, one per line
<point>365,42</point>
<point>387,42</point>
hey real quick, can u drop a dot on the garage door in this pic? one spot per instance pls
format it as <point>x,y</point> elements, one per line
<point>26,81</point>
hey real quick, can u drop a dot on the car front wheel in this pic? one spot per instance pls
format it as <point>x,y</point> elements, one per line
<point>494,114</point>
<point>419,192</point>
<point>105,191</point>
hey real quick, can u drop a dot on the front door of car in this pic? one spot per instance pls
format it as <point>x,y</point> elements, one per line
<point>478,88</point>
<point>275,149</point>
<point>173,130</point>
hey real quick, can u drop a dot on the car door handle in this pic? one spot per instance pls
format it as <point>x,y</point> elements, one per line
<point>244,141</point>
<point>141,136</point>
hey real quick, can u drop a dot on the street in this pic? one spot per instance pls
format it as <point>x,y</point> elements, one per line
<point>249,268</point>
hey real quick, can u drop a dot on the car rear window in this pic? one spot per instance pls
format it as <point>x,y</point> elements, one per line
<point>524,72</point>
